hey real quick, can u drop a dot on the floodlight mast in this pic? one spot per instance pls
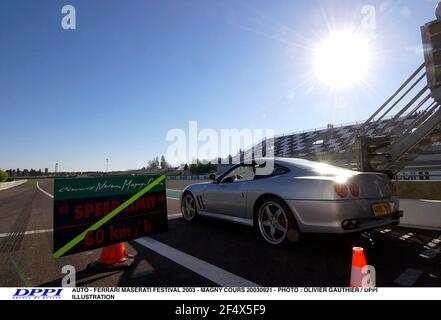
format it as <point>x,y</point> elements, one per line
<point>438,11</point>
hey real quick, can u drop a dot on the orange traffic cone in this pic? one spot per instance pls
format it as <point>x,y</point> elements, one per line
<point>113,254</point>
<point>358,263</point>
<point>113,257</point>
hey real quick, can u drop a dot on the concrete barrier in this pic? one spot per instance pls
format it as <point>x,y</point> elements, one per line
<point>419,190</point>
<point>424,214</point>
<point>9,185</point>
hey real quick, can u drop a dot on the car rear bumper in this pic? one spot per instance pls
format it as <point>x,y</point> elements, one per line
<point>341,216</point>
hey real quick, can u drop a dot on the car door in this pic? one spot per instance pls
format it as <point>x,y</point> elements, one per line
<point>228,196</point>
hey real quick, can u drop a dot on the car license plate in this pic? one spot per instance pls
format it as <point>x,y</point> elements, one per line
<point>382,209</point>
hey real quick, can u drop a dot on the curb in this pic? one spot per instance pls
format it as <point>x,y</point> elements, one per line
<point>12,184</point>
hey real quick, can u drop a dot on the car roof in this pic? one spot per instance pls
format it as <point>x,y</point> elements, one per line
<point>296,164</point>
<point>284,161</point>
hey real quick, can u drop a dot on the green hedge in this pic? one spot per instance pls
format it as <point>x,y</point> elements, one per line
<point>3,176</point>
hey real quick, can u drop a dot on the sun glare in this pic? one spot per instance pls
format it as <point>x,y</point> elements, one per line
<point>342,59</point>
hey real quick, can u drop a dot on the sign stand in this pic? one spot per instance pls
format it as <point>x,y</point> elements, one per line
<point>112,258</point>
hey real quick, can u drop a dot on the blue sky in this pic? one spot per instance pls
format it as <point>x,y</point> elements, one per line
<point>135,69</point>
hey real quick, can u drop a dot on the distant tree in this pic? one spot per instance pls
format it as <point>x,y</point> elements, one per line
<point>164,163</point>
<point>201,168</point>
<point>211,167</point>
<point>25,172</point>
<point>18,172</point>
<point>153,164</point>
<point>186,167</point>
<point>46,171</point>
<point>39,172</point>
<point>3,176</point>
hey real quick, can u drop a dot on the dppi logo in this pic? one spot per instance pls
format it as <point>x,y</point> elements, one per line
<point>37,294</point>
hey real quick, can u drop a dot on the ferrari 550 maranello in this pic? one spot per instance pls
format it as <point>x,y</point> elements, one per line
<point>297,196</point>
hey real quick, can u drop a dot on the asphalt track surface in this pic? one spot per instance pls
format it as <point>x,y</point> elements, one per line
<point>208,252</point>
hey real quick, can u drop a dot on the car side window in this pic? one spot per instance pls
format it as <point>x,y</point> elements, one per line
<point>240,174</point>
<point>278,171</point>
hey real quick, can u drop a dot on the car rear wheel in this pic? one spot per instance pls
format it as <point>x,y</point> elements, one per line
<point>188,208</point>
<point>276,222</point>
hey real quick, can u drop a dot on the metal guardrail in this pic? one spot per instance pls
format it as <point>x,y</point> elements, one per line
<point>418,177</point>
<point>188,177</point>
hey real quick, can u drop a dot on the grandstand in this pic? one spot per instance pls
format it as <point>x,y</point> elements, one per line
<point>336,144</point>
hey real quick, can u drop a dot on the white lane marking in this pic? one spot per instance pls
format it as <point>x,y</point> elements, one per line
<point>407,236</point>
<point>25,233</point>
<point>409,277</point>
<point>171,198</point>
<point>432,252</point>
<point>431,201</point>
<point>208,271</point>
<point>46,193</point>
<point>174,216</point>
<point>174,190</point>
<point>12,184</point>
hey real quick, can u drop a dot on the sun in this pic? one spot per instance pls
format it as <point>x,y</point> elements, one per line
<point>342,60</point>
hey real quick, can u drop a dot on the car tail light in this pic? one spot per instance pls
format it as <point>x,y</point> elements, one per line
<point>355,191</point>
<point>393,187</point>
<point>341,189</point>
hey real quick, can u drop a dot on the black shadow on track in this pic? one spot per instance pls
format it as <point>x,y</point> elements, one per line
<point>318,260</point>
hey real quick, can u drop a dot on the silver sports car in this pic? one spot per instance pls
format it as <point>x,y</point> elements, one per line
<point>298,196</point>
